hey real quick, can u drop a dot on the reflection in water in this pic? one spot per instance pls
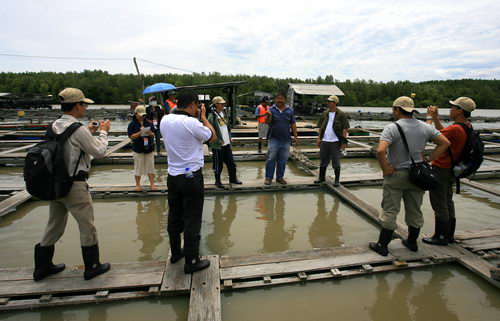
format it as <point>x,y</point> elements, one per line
<point>276,236</point>
<point>150,219</point>
<point>324,231</point>
<point>218,241</point>
<point>432,294</point>
<point>403,305</point>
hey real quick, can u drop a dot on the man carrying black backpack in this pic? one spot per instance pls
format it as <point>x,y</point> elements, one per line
<point>442,197</point>
<point>76,150</point>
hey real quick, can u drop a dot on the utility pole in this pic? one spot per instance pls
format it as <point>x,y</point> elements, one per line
<point>142,82</point>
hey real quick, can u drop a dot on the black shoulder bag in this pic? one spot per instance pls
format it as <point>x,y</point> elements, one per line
<point>421,174</point>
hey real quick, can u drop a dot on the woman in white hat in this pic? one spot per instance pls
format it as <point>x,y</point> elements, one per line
<point>140,131</point>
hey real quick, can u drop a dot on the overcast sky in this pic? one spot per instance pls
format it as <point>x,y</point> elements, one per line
<point>379,40</point>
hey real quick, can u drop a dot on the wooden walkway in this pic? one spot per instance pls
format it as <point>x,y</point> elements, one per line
<point>127,281</point>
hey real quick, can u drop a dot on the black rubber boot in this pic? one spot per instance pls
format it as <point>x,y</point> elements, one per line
<point>322,174</point>
<point>411,241</point>
<point>175,247</point>
<point>43,262</point>
<point>193,262</point>
<point>234,180</point>
<point>440,236</point>
<point>92,265</point>
<point>218,182</point>
<point>259,144</point>
<point>337,177</point>
<point>451,233</point>
<point>383,240</point>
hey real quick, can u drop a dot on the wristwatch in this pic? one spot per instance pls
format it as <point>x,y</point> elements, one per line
<point>428,117</point>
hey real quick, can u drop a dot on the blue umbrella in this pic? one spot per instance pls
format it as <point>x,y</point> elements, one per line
<point>158,88</point>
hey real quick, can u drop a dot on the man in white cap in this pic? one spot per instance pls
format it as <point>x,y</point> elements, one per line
<point>221,148</point>
<point>395,162</point>
<point>442,197</point>
<point>77,150</point>
<point>333,125</point>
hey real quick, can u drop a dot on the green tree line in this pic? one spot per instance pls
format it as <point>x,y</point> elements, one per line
<point>106,88</point>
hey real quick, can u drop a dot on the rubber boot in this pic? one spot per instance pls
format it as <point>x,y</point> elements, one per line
<point>193,262</point>
<point>451,233</point>
<point>259,144</point>
<point>322,174</point>
<point>383,240</point>
<point>43,262</point>
<point>411,241</point>
<point>218,182</point>
<point>232,177</point>
<point>440,236</point>
<point>337,177</point>
<point>92,265</point>
<point>175,247</point>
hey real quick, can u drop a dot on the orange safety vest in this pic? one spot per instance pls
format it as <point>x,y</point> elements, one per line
<point>262,110</point>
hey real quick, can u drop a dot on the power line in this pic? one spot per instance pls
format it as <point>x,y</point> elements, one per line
<point>155,63</point>
<point>95,58</point>
<point>73,58</point>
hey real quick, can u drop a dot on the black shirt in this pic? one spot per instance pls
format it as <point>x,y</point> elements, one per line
<point>138,143</point>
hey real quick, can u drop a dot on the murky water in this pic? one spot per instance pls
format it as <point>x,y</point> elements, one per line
<point>134,229</point>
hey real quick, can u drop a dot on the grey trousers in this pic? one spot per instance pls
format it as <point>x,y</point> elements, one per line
<point>79,203</point>
<point>397,187</point>
<point>329,151</point>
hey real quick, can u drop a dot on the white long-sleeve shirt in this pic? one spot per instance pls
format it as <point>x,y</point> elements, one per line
<point>80,140</point>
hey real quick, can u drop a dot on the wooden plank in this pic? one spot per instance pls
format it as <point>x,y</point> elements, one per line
<point>204,302</point>
<point>481,240</point>
<point>288,256</point>
<point>174,279</point>
<point>70,300</point>
<point>18,274</point>
<point>8,205</point>
<point>483,246</point>
<point>118,146</point>
<point>13,150</point>
<point>294,267</point>
<point>464,235</point>
<point>482,187</point>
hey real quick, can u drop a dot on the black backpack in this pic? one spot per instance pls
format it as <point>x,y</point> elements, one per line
<point>45,171</point>
<point>471,158</point>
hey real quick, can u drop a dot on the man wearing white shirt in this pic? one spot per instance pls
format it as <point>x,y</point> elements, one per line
<point>185,178</point>
<point>333,125</point>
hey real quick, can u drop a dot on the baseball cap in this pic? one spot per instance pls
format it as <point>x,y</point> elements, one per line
<point>465,103</point>
<point>333,98</point>
<point>218,100</point>
<point>73,95</point>
<point>140,110</point>
<point>404,102</point>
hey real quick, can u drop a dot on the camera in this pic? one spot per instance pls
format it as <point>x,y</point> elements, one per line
<point>95,124</point>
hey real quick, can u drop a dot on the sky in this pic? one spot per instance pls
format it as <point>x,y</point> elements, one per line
<point>378,40</point>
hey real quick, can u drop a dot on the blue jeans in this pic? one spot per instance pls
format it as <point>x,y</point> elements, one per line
<point>277,153</point>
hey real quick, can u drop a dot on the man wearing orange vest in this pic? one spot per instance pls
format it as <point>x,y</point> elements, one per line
<point>171,101</point>
<point>262,126</point>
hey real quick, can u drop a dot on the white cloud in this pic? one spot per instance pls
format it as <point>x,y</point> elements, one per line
<point>383,40</point>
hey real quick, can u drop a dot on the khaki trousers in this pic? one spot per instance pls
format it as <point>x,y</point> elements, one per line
<point>79,203</point>
<point>397,187</point>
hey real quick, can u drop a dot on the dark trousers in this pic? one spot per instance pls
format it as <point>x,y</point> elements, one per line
<point>329,151</point>
<point>224,155</point>
<point>158,139</point>
<point>441,197</point>
<point>185,202</point>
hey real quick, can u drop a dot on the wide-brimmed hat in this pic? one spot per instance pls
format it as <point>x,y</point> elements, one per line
<point>333,98</point>
<point>73,95</point>
<point>140,110</point>
<point>404,102</point>
<point>218,100</point>
<point>465,103</point>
